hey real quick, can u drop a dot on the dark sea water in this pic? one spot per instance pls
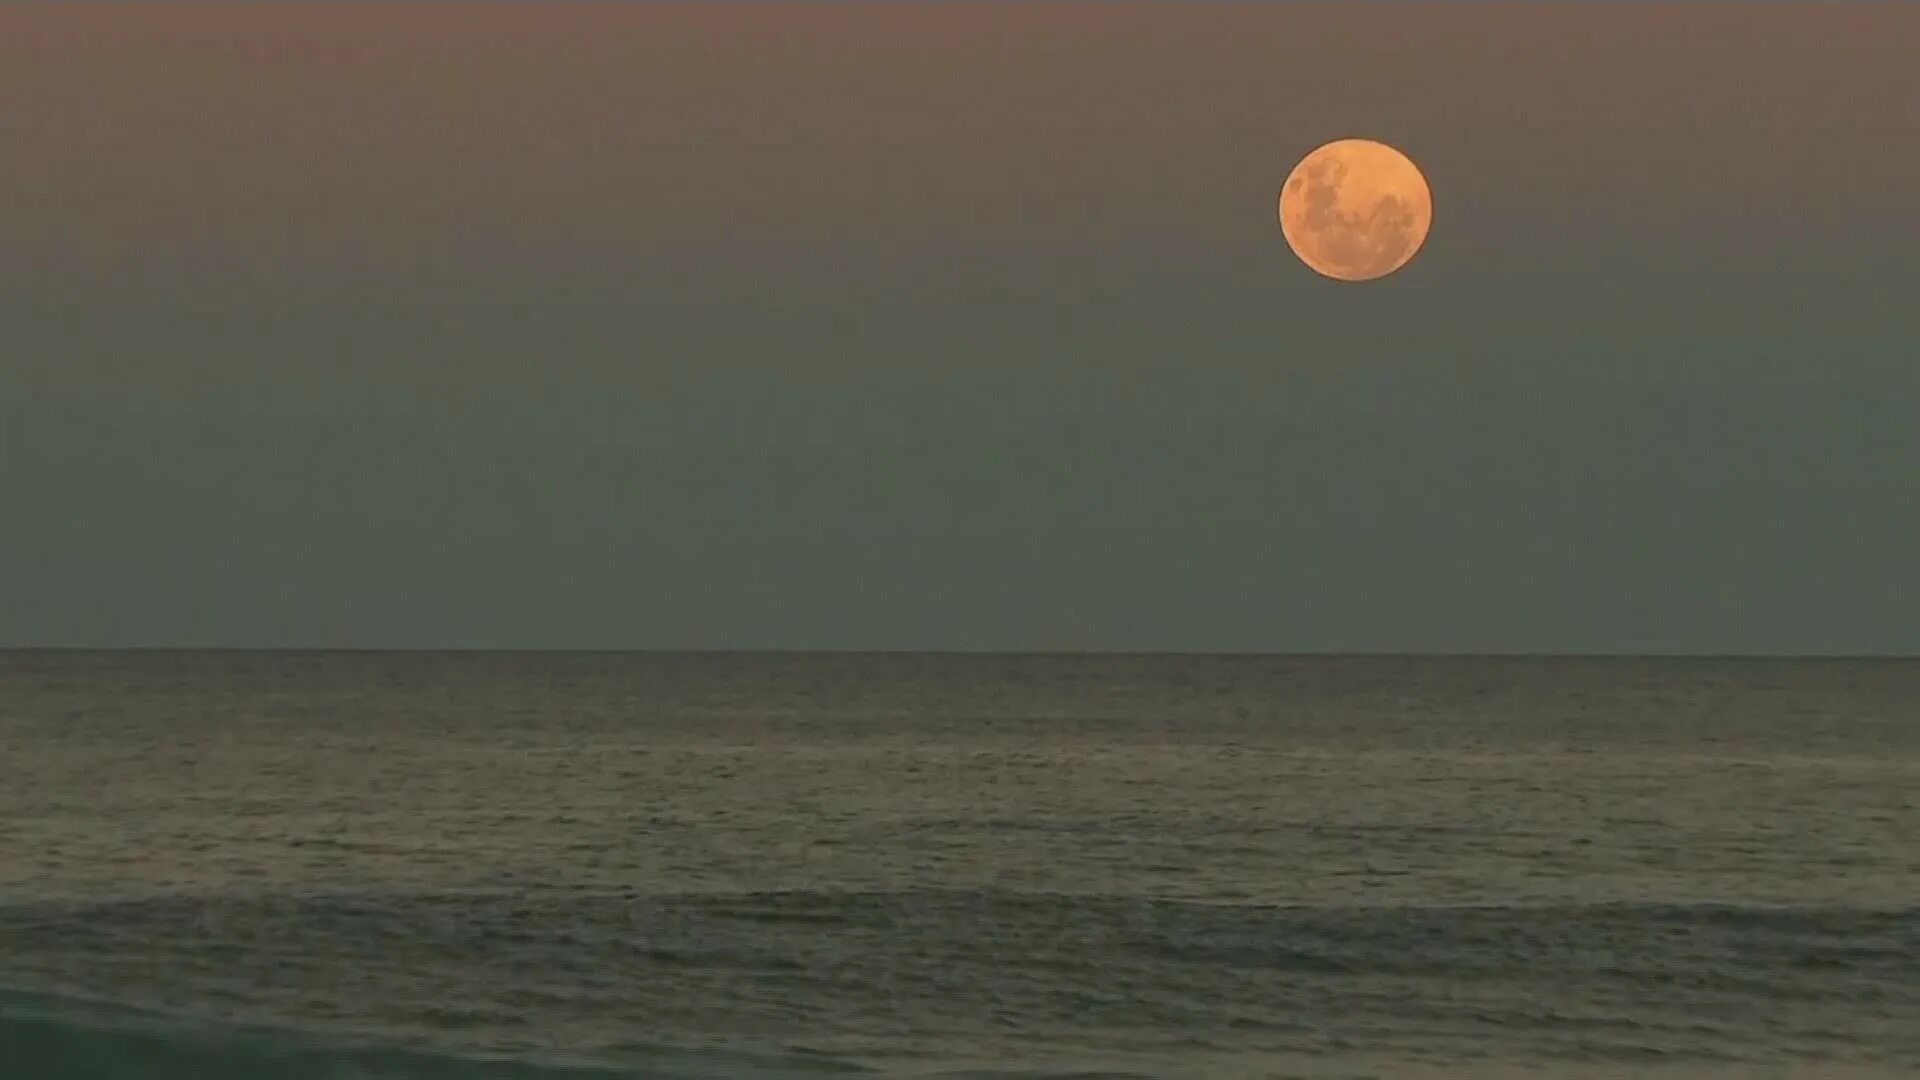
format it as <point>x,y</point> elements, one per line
<point>338,865</point>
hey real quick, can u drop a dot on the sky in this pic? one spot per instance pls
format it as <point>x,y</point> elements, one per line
<point>958,325</point>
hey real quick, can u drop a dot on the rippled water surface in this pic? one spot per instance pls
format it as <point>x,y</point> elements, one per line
<point>331,865</point>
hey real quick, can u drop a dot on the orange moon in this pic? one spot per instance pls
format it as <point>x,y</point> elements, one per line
<point>1356,210</point>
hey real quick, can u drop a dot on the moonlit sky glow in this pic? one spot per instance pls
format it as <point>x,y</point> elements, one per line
<point>905,326</point>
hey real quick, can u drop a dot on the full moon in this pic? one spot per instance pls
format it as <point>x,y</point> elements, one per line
<point>1355,209</point>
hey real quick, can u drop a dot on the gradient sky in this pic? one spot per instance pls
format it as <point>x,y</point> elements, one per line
<point>956,325</point>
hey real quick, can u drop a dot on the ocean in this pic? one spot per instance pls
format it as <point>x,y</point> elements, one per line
<point>331,865</point>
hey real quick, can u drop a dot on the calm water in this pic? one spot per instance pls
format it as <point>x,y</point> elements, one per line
<point>334,865</point>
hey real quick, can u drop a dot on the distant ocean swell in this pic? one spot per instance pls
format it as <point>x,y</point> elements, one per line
<point>835,983</point>
<point>48,1037</point>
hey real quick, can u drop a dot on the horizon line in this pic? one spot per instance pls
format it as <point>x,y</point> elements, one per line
<point>981,653</point>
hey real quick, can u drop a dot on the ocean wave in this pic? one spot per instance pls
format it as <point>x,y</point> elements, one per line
<point>55,1037</point>
<point>464,982</point>
<point>59,1037</point>
<point>789,935</point>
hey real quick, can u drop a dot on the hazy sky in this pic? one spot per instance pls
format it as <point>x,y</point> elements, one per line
<point>956,325</point>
